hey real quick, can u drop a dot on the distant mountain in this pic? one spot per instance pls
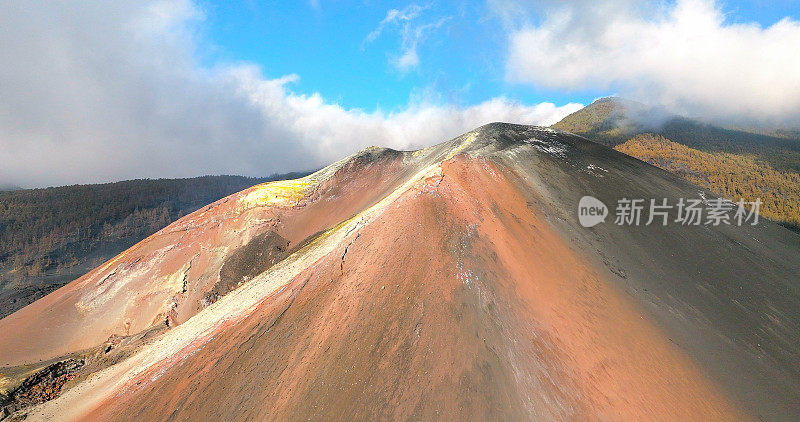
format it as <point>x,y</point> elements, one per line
<point>51,236</point>
<point>612,120</point>
<point>457,282</point>
<point>615,121</point>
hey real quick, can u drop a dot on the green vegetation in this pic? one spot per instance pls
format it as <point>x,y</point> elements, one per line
<point>44,231</point>
<point>780,153</point>
<point>731,162</point>
<point>725,174</point>
<point>609,121</point>
<point>603,120</point>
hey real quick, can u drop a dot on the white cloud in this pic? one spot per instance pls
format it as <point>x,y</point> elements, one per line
<point>411,34</point>
<point>99,91</point>
<point>408,60</point>
<point>684,56</point>
<point>395,17</point>
<point>327,131</point>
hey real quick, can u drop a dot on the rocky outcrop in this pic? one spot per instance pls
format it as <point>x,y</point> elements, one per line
<point>40,387</point>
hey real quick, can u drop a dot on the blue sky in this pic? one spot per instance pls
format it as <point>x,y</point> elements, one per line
<point>327,47</point>
<point>462,62</point>
<point>765,12</point>
<point>119,89</point>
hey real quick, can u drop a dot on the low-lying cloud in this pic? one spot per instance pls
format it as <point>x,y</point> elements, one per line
<point>683,56</point>
<point>101,91</point>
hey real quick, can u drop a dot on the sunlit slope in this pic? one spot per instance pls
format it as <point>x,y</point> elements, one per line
<point>166,278</point>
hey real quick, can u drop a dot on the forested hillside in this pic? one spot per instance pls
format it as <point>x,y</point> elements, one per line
<point>603,121</point>
<point>731,162</point>
<point>613,121</point>
<point>51,236</point>
<point>729,175</point>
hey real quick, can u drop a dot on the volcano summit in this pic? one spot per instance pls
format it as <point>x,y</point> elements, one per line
<point>452,282</point>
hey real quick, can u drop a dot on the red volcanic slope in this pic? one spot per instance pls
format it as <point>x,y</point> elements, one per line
<point>450,282</point>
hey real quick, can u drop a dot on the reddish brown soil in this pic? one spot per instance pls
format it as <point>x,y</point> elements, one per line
<point>458,302</point>
<point>416,288</point>
<point>166,278</point>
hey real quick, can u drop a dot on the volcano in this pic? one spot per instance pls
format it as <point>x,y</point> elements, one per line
<point>453,282</point>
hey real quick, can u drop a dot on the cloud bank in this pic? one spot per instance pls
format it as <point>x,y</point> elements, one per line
<point>683,56</point>
<point>101,91</point>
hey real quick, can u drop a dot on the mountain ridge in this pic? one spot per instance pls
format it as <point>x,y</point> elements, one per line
<point>453,280</point>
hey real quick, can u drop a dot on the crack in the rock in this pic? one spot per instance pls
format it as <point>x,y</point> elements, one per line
<point>341,264</point>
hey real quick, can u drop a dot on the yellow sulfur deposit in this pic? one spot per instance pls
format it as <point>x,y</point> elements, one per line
<point>281,192</point>
<point>461,147</point>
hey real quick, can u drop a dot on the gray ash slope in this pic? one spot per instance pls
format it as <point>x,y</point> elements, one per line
<point>728,294</point>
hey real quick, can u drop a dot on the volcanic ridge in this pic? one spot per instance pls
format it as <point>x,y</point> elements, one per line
<point>453,282</point>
